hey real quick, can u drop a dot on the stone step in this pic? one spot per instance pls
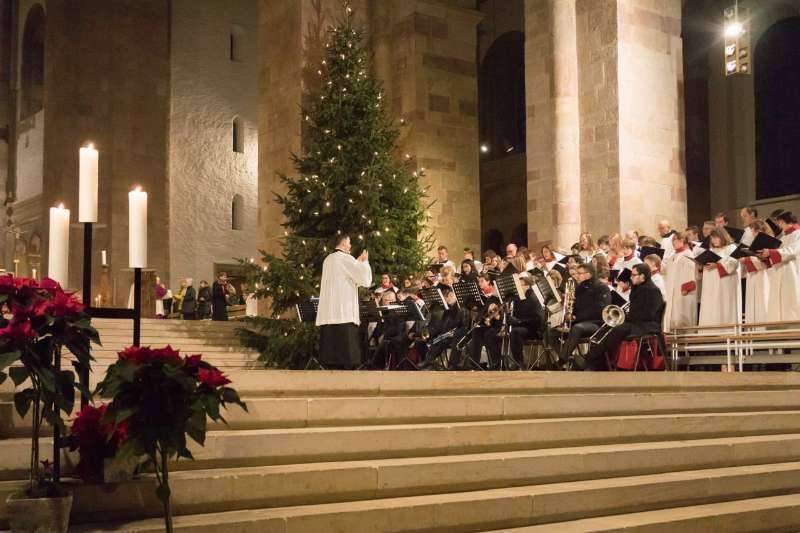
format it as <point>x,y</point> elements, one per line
<point>266,413</point>
<point>772,513</point>
<point>306,484</point>
<point>239,448</point>
<point>497,508</point>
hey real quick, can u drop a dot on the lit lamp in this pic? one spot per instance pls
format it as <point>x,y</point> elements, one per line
<point>737,40</point>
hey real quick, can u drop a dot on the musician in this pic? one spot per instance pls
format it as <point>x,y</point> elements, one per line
<point>681,283</point>
<point>784,299</point>
<point>469,271</point>
<point>447,278</point>
<point>586,246</point>
<point>591,296</point>
<point>629,256</point>
<point>386,284</point>
<point>455,320</point>
<point>390,335</point>
<point>756,308</point>
<point>527,320</point>
<point>642,318</point>
<point>444,261</point>
<point>721,290</point>
<point>489,324</point>
<point>549,259</point>
<point>469,255</point>
<point>666,232</point>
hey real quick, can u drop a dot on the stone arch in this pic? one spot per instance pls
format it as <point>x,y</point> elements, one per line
<point>237,135</point>
<point>501,95</point>
<point>32,62</point>
<point>777,109</point>
<point>237,212</point>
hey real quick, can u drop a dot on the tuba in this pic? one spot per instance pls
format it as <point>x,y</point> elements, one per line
<point>613,316</point>
<point>569,305</point>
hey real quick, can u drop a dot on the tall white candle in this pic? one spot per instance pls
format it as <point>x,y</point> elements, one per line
<point>103,258</point>
<point>137,228</point>
<point>58,259</point>
<point>87,207</point>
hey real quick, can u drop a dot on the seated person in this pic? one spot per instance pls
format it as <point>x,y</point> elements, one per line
<point>591,296</point>
<point>527,319</point>
<point>455,321</point>
<point>390,335</point>
<point>642,318</point>
<point>489,324</point>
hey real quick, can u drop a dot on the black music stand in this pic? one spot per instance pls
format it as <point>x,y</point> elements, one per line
<point>307,313</point>
<point>467,292</point>
<point>433,298</point>
<point>508,286</point>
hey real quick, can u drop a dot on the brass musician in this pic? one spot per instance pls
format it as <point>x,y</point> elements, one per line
<point>490,322</point>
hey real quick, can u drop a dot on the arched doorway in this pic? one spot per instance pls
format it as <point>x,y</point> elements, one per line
<point>501,121</point>
<point>32,67</point>
<point>776,69</point>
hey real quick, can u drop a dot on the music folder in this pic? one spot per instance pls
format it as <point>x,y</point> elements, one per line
<point>617,299</point>
<point>763,241</point>
<point>742,251</point>
<point>706,257</point>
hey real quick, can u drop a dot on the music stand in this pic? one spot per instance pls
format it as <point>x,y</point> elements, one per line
<point>466,292</point>
<point>307,313</point>
<point>507,287</point>
<point>404,313</point>
<point>433,297</point>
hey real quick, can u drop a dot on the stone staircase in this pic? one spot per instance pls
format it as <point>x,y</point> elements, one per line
<point>215,340</point>
<point>478,451</point>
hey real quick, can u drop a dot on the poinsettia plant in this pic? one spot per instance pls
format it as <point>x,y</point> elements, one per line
<point>162,397</point>
<point>96,439</point>
<point>38,321</point>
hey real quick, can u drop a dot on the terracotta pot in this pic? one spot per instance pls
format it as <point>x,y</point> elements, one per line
<point>39,515</point>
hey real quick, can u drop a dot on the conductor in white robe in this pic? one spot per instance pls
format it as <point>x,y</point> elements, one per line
<point>338,314</point>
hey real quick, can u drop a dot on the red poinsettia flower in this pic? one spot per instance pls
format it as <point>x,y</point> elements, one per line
<point>192,361</point>
<point>136,354</point>
<point>64,304</point>
<point>51,286</point>
<point>168,355</point>
<point>36,308</point>
<point>212,377</point>
<point>17,332</point>
<point>7,284</point>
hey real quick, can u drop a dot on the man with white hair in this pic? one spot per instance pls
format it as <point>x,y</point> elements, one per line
<point>189,303</point>
<point>666,232</point>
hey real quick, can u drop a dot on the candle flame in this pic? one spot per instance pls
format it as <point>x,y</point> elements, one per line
<point>90,146</point>
<point>138,188</point>
<point>61,206</point>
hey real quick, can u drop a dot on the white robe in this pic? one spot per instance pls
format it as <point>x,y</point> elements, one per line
<point>721,296</point>
<point>666,244</point>
<point>784,294</point>
<point>756,302</point>
<point>621,263</point>
<point>680,272</point>
<point>342,274</point>
<point>658,281</point>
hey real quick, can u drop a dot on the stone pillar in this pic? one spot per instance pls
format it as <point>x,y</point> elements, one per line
<point>551,75</point>
<point>425,56</point>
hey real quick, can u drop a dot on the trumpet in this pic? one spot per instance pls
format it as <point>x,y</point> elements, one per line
<point>493,312</point>
<point>613,316</point>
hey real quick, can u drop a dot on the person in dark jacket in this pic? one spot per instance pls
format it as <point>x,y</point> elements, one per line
<point>527,319</point>
<point>591,296</point>
<point>189,301</point>
<point>643,317</point>
<point>219,298</point>
<point>203,300</point>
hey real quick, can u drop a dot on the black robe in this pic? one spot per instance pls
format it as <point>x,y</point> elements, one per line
<point>219,309</point>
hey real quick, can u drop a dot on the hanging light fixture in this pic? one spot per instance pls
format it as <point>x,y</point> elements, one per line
<point>737,40</point>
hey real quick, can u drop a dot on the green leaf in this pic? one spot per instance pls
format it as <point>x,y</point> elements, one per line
<point>8,358</point>
<point>196,426</point>
<point>65,398</point>
<point>18,374</point>
<point>163,493</point>
<point>23,400</point>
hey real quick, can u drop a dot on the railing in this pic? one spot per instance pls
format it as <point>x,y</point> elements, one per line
<point>754,343</point>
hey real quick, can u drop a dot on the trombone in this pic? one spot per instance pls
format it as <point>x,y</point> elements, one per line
<point>613,316</point>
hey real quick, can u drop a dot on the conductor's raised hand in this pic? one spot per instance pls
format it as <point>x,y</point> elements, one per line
<point>364,256</point>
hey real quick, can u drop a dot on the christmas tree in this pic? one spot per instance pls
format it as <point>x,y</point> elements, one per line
<point>350,180</point>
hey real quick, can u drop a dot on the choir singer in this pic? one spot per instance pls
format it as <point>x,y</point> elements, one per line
<point>338,317</point>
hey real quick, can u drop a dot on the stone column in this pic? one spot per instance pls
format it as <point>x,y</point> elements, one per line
<point>425,56</point>
<point>551,75</point>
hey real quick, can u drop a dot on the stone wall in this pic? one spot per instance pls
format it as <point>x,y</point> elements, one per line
<point>208,90</point>
<point>425,55</point>
<point>107,74</point>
